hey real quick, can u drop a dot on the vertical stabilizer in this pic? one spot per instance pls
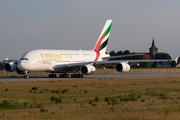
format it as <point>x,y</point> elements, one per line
<point>102,42</point>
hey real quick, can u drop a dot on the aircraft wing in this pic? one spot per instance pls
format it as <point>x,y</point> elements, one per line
<point>111,63</point>
<point>120,56</point>
<point>102,64</point>
<point>70,65</point>
<point>158,60</point>
<point>7,60</point>
<point>98,64</point>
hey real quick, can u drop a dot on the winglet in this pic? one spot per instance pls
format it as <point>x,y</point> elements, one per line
<point>176,60</point>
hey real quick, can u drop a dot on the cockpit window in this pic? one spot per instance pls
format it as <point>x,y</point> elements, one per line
<point>23,59</point>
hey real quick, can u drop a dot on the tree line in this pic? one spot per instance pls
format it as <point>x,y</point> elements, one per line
<point>141,57</point>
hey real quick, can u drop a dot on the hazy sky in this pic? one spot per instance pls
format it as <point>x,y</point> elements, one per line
<point>76,24</point>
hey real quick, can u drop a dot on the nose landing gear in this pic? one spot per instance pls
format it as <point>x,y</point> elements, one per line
<point>26,76</point>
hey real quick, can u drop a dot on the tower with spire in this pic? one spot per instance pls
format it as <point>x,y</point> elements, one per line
<point>153,50</point>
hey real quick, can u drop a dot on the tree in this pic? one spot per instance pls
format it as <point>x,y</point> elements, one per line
<point>126,52</point>
<point>173,63</point>
<point>145,64</point>
<point>112,53</point>
<point>119,53</point>
<point>138,57</point>
<point>162,56</point>
<point>154,64</point>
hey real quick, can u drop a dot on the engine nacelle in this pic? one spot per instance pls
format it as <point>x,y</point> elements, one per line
<point>10,67</point>
<point>122,67</point>
<point>19,71</point>
<point>88,69</point>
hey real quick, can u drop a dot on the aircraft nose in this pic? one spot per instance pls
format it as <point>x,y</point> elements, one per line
<point>22,65</point>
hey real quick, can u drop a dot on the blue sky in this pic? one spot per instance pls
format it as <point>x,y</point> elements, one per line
<point>76,24</point>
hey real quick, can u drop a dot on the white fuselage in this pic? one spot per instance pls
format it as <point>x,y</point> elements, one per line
<point>44,60</point>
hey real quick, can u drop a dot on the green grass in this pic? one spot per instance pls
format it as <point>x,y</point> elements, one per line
<point>9,105</point>
<point>156,98</point>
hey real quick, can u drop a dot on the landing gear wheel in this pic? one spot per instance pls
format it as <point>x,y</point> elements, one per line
<point>77,76</point>
<point>26,77</point>
<point>52,75</point>
<point>63,75</point>
<point>81,75</point>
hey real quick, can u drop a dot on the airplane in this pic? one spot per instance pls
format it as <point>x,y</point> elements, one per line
<point>77,62</point>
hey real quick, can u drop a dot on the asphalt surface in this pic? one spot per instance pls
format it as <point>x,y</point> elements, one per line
<point>88,77</point>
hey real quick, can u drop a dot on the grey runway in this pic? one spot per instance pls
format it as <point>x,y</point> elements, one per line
<point>88,77</point>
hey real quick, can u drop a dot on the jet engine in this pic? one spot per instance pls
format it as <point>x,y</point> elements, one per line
<point>19,71</point>
<point>122,67</point>
<point>10,67</point>
<point>88,69</point>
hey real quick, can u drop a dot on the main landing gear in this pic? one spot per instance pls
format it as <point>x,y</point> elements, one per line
<point>66,75</point>
<point>72,76</point>
<point>52,75</point>
<point>77,75</point>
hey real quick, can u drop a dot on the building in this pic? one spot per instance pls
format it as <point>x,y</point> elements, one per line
<point>153,50</point>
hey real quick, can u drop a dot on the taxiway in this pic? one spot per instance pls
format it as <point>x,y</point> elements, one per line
<point>105,77</point>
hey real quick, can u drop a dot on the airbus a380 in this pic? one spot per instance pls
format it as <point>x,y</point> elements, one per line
<point>77,62</point>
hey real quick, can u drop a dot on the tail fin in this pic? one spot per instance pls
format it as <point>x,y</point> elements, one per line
<point>102,42</point>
